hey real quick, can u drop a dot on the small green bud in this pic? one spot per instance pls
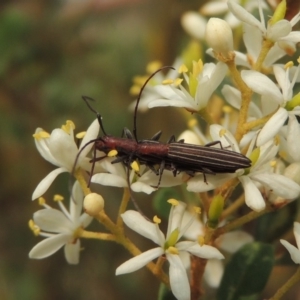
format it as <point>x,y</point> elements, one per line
<point>215,210</point>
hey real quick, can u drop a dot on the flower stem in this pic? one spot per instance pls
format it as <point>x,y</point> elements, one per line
<point>123,205</point>
<point>97,235</point>
<point>80,178</point>
<point>267,45</point>
<point>294,279</point>
<point>120,238</point>
<point>241,221</point>
<point>246,94</point>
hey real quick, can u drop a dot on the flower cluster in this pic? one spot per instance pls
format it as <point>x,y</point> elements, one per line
<point>249,103</point>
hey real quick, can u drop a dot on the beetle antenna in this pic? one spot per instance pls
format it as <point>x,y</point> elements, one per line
<point>99,117</point>
<point>139,98</point>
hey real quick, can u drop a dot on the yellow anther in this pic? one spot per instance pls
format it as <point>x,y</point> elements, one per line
<point>153,66</point>
<point>156,220</point>
<point>283,154</point>
<point>277,140</point>
<point>134,90</point>
<point>273,163</point>
<point>42,201</point>
<point>178,81</point>
<point>173,250</point>
<point>34,228</point>
<point>80,135</point>
<point>200,240</point>
<point>168,81</point>
<point>41,135</point>
<point>192,123</point>
<point>173,202</point>
<point>227,109</point>
<point>31,224</point>
<point>298,59</point>
<point>197,209</point>
<point>112,153</point>
<point>222,132</point>
<point>135,166</point>
<point>68,127</point>
<point>182,69</point>
<point>288,65</point>
<point>140,80</point>
<point>58,198</point>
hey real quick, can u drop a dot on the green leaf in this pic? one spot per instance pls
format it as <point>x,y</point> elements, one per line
<point>247,272</point>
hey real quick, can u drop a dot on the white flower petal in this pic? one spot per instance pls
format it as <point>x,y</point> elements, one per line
<point>139,261</point>
<point>197,183</point>
<point>278,30</point>
<point>91,134</point>
<point>175,217</point>
<point>76,201</point>
<point>262,85</point>
<point>140,187</point>
<point>109,180</point>
<point>213,272</point>
<point>294,252</point>
<point>48,246</point>
<point>205,251</point>
<point>174,103</point>
<point>272,127</point>
<point>293,140</point>
<point>46,182</point>
<point>72,251</point>
<point>52,220</point>
<point>63,148</point>
<point>297,233</point>
<point>234,240</point>
<point>85,220</point>
<point>252,34</point>
<point>135,221</point>
<point>293,37</point>
<point>244,16</point>
<point>253,197</point>
<point>279,184</point>
<point>195,229</point>
<point>43,148</point>
<point>178,278</point>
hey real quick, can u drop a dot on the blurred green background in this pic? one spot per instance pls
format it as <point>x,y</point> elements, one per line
<point>51,53</point>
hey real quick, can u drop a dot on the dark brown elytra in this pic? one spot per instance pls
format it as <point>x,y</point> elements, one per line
<point>175,156</point>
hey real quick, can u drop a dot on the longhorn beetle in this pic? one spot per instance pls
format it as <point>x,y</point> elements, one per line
<point>174,156</point>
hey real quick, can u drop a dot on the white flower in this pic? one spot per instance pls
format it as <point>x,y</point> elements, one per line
<point>116,175</point>
<point>218,7</point>
<point>229,242</point>
<point>61,150</point>
<point>175,251</point>
<point>294,252</point>
<point>259,175</point>
<point>271,97</point>
<point>149,92</point>
<point>202,83</point>
<point>60,227</point>
<point>279,32</point>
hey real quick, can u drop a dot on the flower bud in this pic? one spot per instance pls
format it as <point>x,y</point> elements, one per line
<point>215,211</point>
<point>93,203</point>
<point>193,24</point>
<point>218,35</point>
